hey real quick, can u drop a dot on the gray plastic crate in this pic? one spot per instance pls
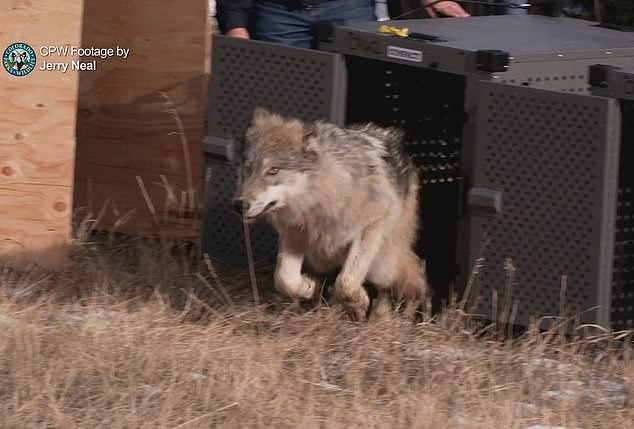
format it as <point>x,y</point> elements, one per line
<point>432,89</point>
<point>542,203</point>
<point>297,82</point>
<point>545,52</point>
<point>619,84</point>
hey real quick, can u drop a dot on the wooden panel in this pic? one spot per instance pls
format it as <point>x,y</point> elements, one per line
<point>123,128</point>
<point>37,136</point>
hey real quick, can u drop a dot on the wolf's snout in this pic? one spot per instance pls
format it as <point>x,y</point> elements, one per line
<point>240,206</point>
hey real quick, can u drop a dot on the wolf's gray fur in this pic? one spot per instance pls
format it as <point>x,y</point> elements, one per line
<point>339,198</point>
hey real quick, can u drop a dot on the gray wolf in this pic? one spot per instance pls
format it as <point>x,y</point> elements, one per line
<point>340,199</point>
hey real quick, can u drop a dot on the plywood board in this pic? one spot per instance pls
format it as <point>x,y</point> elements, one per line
<point>37,135</point>
<point>124,130</point>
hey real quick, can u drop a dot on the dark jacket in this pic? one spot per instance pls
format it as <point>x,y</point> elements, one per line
<point>232,13</point>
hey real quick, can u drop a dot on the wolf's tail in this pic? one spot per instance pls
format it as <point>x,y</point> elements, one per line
<point>410,223</point>
<point>412,282</point>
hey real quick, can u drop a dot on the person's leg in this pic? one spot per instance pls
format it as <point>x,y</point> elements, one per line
<point>346,10</point>
<point>274,22</point>
<point>343,10</point>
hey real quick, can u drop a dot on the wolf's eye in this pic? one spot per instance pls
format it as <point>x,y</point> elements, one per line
<point>273,171</point>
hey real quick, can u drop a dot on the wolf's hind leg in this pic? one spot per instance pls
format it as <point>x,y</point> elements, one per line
<point>382,306</point>
<point>383,273</point>
<point>412,286</point>
<point>289,280</point>
<point>398,271</point>
<point>349,285</point>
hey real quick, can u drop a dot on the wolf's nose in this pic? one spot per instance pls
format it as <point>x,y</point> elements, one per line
<point>240,206</point>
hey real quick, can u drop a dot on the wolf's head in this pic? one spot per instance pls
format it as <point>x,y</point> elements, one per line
<point>277,160</point>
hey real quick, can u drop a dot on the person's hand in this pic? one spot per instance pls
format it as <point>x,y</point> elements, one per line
<point>240,32</point>
<point>445,8</point>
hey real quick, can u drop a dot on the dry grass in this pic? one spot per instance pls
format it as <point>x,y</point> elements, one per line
<point>130,337</point>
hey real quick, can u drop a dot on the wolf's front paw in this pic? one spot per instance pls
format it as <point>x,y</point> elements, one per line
<point>310,288</point>
<point>302,287</point>
<point>354,301</point>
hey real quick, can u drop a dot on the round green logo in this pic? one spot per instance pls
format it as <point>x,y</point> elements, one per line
<point>18,59</point>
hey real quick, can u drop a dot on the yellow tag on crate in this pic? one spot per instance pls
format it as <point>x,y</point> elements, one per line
<point>403,32</point>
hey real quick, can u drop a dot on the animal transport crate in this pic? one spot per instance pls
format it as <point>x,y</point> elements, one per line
<point>553,212</point>
<point>296,82</point>
<point>618,83</point>
<point>565,191</point>
<point>542,204</point>
<point>430,87</point>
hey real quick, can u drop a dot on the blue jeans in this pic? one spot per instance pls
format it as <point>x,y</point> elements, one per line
<point>274,22</point>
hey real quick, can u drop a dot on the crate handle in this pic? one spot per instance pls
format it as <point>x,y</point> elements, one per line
<point>485,199</point>
<point>219,147</point>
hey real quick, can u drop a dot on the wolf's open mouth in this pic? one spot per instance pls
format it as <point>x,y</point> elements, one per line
<point>269,206</point>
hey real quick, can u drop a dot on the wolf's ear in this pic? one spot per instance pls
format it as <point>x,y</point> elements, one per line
<point>260,113</point>
<point>309,143</point>
<point>308,130</point>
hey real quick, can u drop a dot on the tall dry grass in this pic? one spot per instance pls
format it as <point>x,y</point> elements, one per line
<point>131,335</point>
